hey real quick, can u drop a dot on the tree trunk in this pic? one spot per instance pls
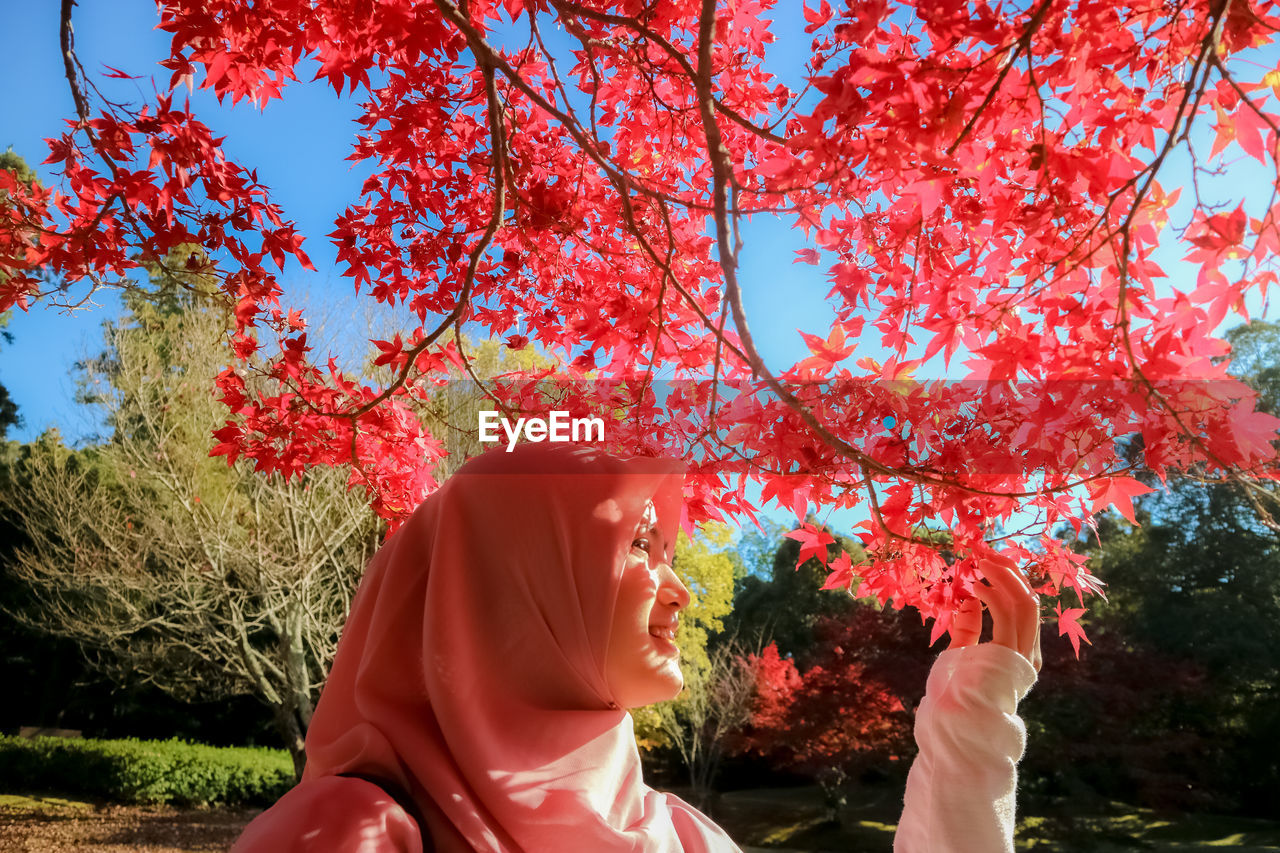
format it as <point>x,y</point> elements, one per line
<point>293,714</point>
<point>702,773</point>
<point>834,798</point>
<point>293,735</point>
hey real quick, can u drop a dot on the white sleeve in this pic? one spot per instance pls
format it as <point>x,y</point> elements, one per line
<point>960,791</point>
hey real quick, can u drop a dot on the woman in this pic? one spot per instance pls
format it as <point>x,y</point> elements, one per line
<point>478,696</point>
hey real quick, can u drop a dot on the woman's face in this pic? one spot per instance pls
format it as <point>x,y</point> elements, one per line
<point>642,664</point>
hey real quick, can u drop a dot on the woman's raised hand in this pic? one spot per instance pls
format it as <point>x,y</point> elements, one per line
<point>1014,608</point>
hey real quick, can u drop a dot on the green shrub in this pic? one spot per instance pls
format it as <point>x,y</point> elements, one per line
<point>141,771</point>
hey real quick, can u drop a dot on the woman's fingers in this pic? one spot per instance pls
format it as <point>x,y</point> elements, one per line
<point>1015,608</point>
<point>1036,659</point>
<point>966,626</point>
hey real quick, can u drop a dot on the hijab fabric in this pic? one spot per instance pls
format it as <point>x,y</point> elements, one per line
<point>471,669</point>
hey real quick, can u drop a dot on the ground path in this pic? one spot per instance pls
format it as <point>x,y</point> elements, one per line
<point>39,824</point>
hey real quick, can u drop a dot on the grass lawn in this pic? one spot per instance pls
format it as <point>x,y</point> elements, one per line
<point>38,802</point>
<point>792,819</point>
<point>1128,828</point>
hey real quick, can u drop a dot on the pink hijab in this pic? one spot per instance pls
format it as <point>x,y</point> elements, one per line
<point>471,669</point>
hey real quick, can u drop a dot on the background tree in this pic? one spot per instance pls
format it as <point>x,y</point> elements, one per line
<point>839,680</point>
<point>1125,722</point>
<point>174,569</point>
<point>1186,650</point>
<point>1185,661</point>
<point>848,710</point>
<point>705,564</point>
<point>1255,348</point>
<point>780,598</point>
<point>701,725</point>
<point>715,694</point>
<point>982,180</point>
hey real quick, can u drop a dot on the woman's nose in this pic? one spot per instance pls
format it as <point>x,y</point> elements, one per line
<point>671,590</point>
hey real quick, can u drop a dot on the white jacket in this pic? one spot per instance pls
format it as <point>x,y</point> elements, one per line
<point>960,791</point>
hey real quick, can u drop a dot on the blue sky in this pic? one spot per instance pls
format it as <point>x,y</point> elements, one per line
<point>292,145</point>
<point>298,145</point>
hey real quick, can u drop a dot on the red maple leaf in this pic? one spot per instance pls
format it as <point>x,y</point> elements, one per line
<point>813,543</point>
<point>829,352</point>
<point>841,576</point>
<point>1069,627</point>
<point>1221,230</point>
<point>1118,492</point>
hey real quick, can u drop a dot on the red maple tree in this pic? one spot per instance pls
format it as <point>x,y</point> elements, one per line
<point>977,177</point>
<point>850,708</point>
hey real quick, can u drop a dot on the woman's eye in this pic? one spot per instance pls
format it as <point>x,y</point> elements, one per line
<point>642,544</point>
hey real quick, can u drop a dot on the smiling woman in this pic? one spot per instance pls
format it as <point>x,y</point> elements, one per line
<point>642,664</point>
<point>477,701</point>
<point>483,675</point>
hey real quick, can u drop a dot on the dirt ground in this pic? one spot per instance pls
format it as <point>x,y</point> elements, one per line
<point>49,825</point>
<point>46,825</point>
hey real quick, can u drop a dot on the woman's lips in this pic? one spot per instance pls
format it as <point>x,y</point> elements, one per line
<point>665,638</point>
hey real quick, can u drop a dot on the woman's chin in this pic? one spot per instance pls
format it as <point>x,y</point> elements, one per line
<point>663,687</point>
<point>673,683</point>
